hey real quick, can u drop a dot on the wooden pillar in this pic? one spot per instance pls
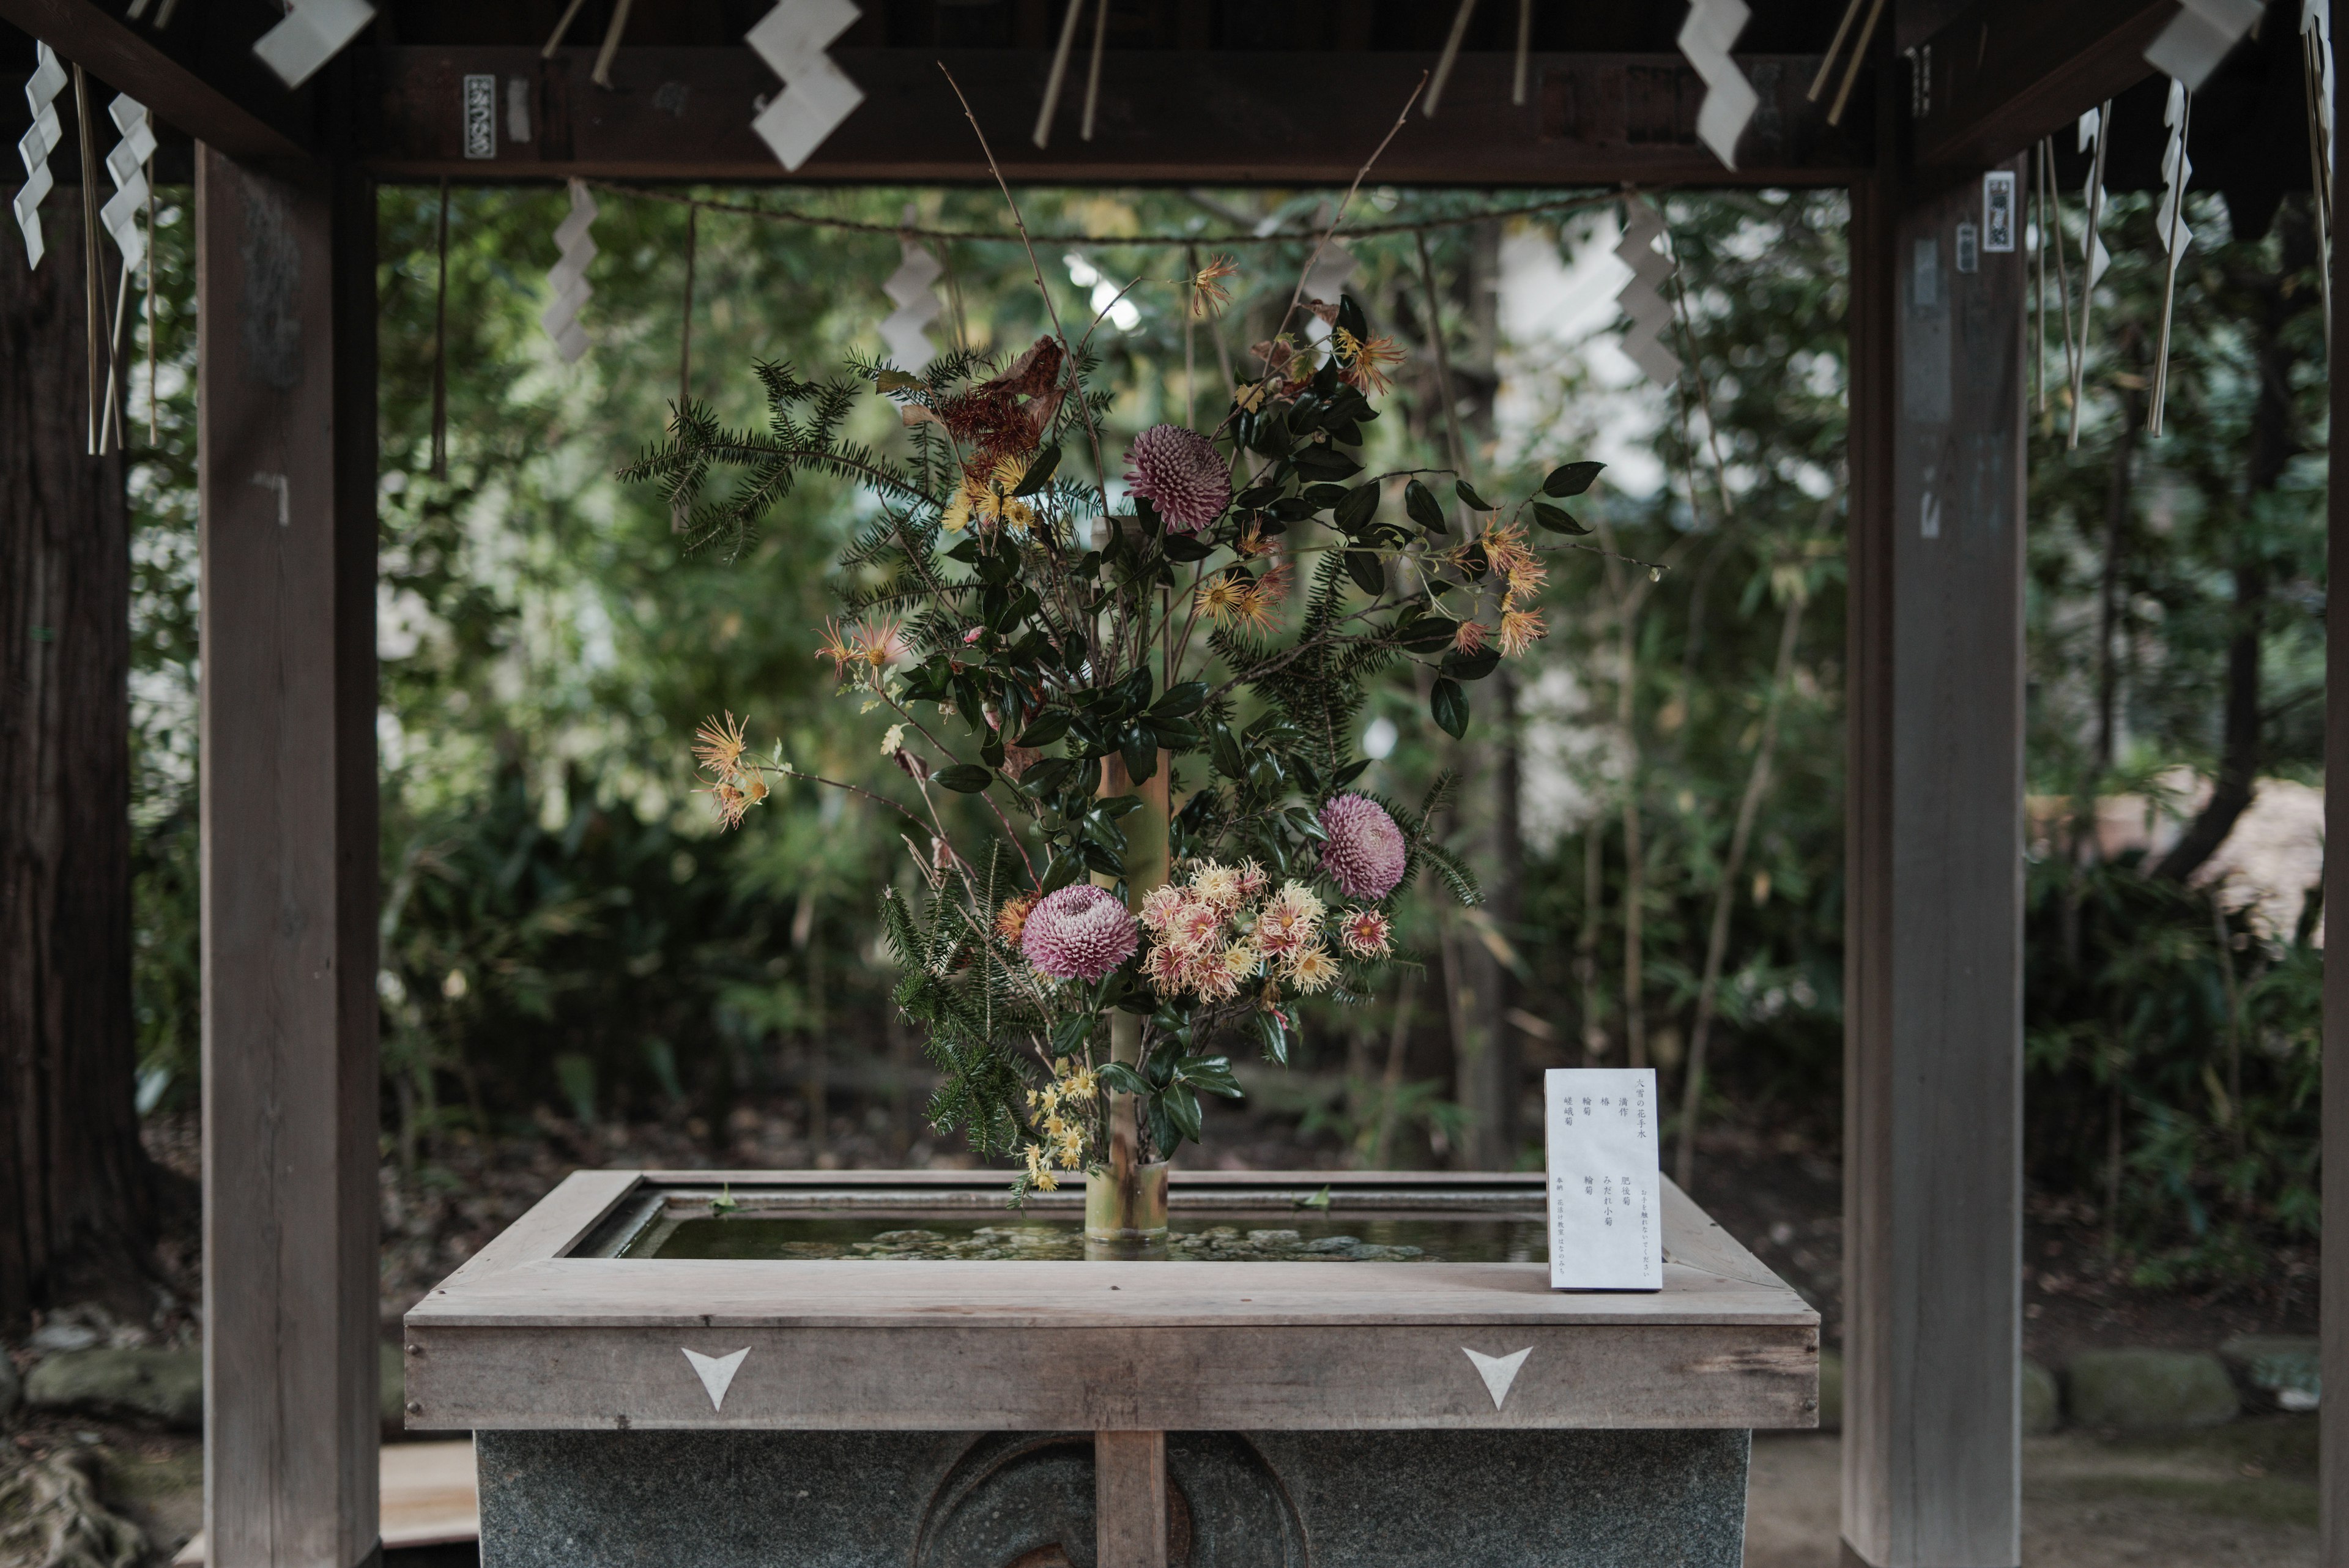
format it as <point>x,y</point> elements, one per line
<point>1130,1500</point>
<point>1933,1020</point>
<point>2333,1550</point>
<point>286,285</point>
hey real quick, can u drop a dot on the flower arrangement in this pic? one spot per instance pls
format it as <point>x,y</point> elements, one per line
<point>1128,711</point>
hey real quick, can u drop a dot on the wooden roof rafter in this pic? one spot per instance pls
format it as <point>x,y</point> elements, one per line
<point>1988,81</point>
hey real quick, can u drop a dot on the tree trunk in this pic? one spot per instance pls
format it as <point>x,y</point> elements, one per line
<point>77,1201</point>
<point>2273,447</point>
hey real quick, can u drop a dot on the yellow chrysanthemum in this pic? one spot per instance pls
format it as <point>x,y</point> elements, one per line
<point>989,502</point>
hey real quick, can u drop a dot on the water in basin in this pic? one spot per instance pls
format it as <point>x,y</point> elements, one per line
<point>1271,1237</point>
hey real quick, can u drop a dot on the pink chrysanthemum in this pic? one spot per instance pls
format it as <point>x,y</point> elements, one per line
<point>1079,933</point>
<point>1365,852</point>
<point>1179,472</point>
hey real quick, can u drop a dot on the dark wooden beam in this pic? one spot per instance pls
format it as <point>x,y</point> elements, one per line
<point>202,77</point>
<point>286,480</point>
<point>1192,117</point>
<point>1933,970</point>
<point>2004,73</point>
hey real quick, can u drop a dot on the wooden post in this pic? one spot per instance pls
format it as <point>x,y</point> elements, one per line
<point>1130,1500</point>
<point>1933,1025</point>
<point>2333,1546</point>
<point>285,284</point>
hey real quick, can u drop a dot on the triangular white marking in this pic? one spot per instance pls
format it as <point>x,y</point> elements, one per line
<point>1498,1371</point>
<point>716,1373</point>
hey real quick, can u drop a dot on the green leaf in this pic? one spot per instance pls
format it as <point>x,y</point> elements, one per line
<point>1425,509</point>
<point>1224,750</point>
<point>1349,773</point>
<point>1049,726</point>
<point>1064,870</point>
<point>1182,1109</point>
<point>1350,316</point>
<point>1369,573</point>
<point>1470,666</point>
<point>1040,472</point>
<point>1467,493</point>
<point>1183,699</point>
<point>1449,705</point>
<point>1557,519</point>
<point>1361,503</point>
<point>1070,1033</point>
<point>1326,462</point>
<point>965,778</point>
<point>1275,1038</point>
<point>1426,633</point>
<point>1186,547</point>
<point>1174,734</point>
<point>1141,751</point>
<point>1123,1079</point>
<point>1210,1074</point>
<point>1571,478</point>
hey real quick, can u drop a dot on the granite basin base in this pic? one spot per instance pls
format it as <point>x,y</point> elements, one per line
<point>1609,1498</point>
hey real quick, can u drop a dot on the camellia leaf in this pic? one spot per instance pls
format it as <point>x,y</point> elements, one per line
<point>964,778</point>
<point>1048,727</point>
<point>1369,573</point>
<point>1449,705</point>
<point>1123,1079</point>
<point>1275,1038</point>
<point>1183,699</point>
<point>1040,472</point>
<point>1070,1033</point>
<point>1557,519</point>
<point>1467,493</point>
<point>1421,502</point>
<point>1427,633</point>
<point>1210,1074</point>
<point>1360,504</point>
<point>1571,478</point>
<point>1470,666</point>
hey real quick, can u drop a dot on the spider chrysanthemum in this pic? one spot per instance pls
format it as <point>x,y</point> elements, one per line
<point>1365,852</point>
<point>1079,933</point>
<point>1179,472</point>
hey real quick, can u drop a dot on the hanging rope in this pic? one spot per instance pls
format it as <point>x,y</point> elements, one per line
<point>1560,204</point>
<point>93,289</point>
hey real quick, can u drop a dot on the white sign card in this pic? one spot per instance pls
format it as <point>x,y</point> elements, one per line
<point>1606,1182</point>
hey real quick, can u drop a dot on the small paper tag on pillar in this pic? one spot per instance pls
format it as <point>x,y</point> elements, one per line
<point>1606,1182</point>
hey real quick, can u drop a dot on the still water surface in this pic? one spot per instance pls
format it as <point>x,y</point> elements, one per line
<point>1270,1237</point>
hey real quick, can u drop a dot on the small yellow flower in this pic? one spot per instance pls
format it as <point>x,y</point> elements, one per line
<point>1366,360</point>
<point>1221,598</point>
<point>719,745</point>
<point>1208,294</point>
<point>1040,1174</point>
<point>1313,969</point>
<point>989,502</point>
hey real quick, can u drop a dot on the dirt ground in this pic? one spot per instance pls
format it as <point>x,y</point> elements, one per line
<point>2242,1496</point>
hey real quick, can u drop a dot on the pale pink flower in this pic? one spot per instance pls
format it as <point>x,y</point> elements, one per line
<point>1365,853</point>
<point>1079,933</point>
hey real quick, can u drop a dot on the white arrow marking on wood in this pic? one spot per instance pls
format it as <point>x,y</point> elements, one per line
<point>1498,1371</point>
<point>716,1373</point>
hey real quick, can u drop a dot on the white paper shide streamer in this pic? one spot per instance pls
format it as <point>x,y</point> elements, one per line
<point>568,277</point>
<point>817,94</point>
<point>2169,227</point>
<point>912,289</point>
<point>2094,132</point>
<point>1641,297</point>
<point>33,147</point>
<point>1711,27</point>
<point>314,32</point>
<point>127,164</point>
<point>2199,37</point>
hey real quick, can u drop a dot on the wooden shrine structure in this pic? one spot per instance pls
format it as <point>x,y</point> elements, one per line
<point>1200,93</point>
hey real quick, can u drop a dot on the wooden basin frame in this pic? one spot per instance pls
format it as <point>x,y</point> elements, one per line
<point>532,1334</point>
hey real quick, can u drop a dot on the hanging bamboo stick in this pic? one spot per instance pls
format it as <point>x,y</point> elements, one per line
<point>1058,74</point>
<point>1092,71</point>
<point>441,347</point>
<point>1451,57</point>
<point>93,289</point>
